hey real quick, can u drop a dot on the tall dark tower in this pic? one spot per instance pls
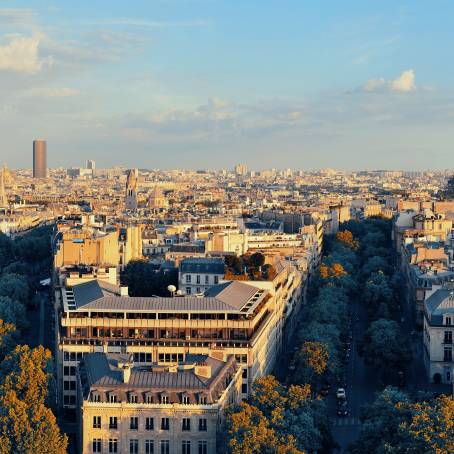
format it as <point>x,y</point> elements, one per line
<point>39,159</point>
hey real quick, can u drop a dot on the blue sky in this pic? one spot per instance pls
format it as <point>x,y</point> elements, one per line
<point>209,83</point>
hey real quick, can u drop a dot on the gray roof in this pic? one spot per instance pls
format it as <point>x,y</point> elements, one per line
<point>202,265</point>
<point>227,297</point>
<point>439,303</point>
<point>100,373</point>
<point>87,292</point>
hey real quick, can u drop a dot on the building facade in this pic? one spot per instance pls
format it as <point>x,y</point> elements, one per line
<point>196,275</point>
<point>438,334</point>
<point>157,409</point>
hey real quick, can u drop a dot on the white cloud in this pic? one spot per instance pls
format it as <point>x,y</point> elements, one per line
<point>403,83</point>
<point>52,92</point>
<point>374,84</point>
<point>21,54</point>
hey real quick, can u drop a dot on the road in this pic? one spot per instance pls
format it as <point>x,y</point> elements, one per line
<point>361,385</point>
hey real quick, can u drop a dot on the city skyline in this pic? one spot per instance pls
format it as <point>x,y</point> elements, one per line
<point>204,84</point>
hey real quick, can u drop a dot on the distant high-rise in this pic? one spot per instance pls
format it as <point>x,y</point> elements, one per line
<point>3,197</point>
<point>39,159</point>
<point>91,164</point>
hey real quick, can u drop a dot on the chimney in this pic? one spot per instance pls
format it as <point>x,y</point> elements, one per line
<point>203,370</point>
<point>124,291</point>
<point>126,371</point>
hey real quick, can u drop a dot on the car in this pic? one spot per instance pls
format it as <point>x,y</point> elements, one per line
<point>342,408</point>
<point>325,390</point>
<point>341,394</point>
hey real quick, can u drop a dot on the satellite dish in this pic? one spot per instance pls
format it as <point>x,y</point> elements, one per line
<point>171,288</point>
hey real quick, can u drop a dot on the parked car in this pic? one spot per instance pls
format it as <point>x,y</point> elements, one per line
<point>341,394</point>
<point>342,408</point>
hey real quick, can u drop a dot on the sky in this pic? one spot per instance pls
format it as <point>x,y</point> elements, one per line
<point>206,84</point>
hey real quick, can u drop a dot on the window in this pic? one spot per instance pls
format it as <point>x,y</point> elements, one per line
<point>113,422</point>
<point>207,279</point>
<point>448,321</point>
<point>69,370</point>
<point>164,399</point>
<point>165,425</point>
<point>134,423</point>
<point>203,448</point>
<point>198,290</point>
<point>149,423</point>
<point>148,399</point>
<point>186,424</point>
<point>216,279</point>
<point>96,422</point>
<point>69,400</point>
<point>165,447</point>
<point>202,400</point>
<point>112,398</point>
<point>149,446</point>
<point>447,354</point>
<point>185,447</point>
<point>188,290</point>
<point>185,400</point>
<point>244,388</point>
<point>198,279</point>
<point>97,445</point>
<point>188,278</point>
<point>133,446</point>
<point>69,385</point>
<point>113,445</point>
<point>245,373</point>
<point>202,425</point>
<point>133,398</point>
<point>448,337</point>
<point>95,397</point>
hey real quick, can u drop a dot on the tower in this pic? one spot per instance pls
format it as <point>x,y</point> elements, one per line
<point>3,198</point>
<point>39,159</point>
<point>131,190</point>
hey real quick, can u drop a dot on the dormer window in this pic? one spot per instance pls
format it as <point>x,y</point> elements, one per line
<point>185,400</point>
<point>148,398</point>
<point>164,399</point>
<point>133,398</point>
<point>95,397</point>
<point>202,399</point>
<point>448,320</point>
<point>112,398</point>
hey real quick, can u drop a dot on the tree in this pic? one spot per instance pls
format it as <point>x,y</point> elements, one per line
<point>256,260</point>
<point>12,311</point>
<point>314,356</point>
<point>233,263</point>
<point>15,287</point>
<point>248,431</point>
<point>381,421</point>
<point>384,346</point>
<point>345,237</point>
<point>26,424</point>
<point>6,250</point>
<point>8,338</point>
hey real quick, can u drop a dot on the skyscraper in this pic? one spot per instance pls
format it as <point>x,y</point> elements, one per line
<point>91,164</point>
<point>39,159</point>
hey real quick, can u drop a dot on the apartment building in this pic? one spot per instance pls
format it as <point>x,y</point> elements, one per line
<point>438,334</point>
<point>154,409</point>
<point>196,275</point>
<point>245,319</point>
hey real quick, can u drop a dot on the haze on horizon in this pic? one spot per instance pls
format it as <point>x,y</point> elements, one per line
<point>209,83</point>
